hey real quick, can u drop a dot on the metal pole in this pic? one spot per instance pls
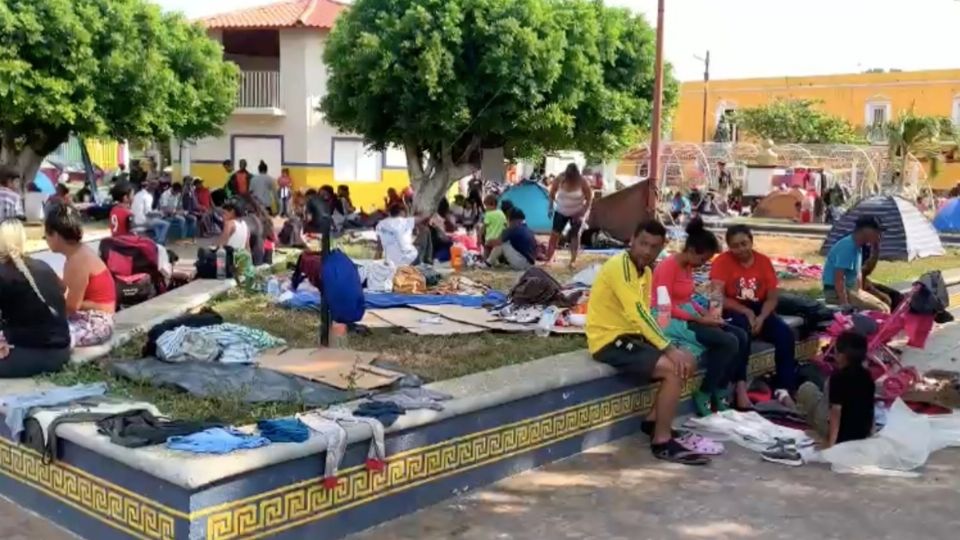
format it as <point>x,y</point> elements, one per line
<point>654,171</point>
<point>324,307</point>
<point>706,92</point>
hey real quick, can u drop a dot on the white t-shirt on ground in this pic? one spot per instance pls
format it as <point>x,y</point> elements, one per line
<point>396,237</point>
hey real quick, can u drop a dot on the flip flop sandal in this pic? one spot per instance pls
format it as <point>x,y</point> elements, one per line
<point>683,458</point>
<point>699,444</point>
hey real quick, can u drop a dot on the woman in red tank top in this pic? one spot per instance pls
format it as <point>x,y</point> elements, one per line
<point>91,292</point>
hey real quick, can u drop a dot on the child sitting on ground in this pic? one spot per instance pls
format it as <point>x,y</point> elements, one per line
<point>846,412</point>
<point>494,223</point>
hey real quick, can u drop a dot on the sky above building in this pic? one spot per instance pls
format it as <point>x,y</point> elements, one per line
<point>768,38</point>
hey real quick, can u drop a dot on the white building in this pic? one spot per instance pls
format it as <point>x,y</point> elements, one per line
<point>279,50</point>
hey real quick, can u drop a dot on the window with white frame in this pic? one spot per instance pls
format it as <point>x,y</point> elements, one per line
<point>353,162</point>
<point>877,114</point>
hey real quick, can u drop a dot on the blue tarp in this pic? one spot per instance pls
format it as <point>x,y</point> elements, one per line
<point>43,183</point>
<point>534,200</point>
<point>948,218</point>
<point>310,300</point>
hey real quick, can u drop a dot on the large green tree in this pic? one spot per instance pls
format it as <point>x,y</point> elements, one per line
<point>923,137</point>
<point>445,78</point>
<point>112,68</point>
<point>795,121</point>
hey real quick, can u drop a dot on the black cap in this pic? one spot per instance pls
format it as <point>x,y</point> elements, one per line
<point>868,222</point>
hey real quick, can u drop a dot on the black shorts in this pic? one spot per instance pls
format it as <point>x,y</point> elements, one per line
<point>560,223</point>
<point>632,355</point>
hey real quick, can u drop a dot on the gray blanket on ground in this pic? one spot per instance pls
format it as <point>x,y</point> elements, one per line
<point>248,383</point>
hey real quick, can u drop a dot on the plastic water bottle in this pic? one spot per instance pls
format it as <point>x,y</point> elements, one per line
<point>221,263</point>
<point>716,303</point>
<point>664,305</point>
<point>273,288</point>
<point>456,257</point>
<point>547,321</point>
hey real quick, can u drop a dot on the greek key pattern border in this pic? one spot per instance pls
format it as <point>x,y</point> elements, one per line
<point>138,517</point>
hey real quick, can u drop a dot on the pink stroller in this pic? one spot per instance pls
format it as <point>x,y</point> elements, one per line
<point>893,379</point>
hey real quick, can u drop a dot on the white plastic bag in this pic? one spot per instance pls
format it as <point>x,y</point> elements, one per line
<point>380,276</point>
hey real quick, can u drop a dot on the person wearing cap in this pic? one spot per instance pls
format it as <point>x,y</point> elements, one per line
<point>843,271</point>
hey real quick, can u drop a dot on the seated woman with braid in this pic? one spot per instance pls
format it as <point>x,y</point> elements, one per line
<point>34,335</point>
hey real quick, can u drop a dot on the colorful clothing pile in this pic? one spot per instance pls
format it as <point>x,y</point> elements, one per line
<point>226,343</point>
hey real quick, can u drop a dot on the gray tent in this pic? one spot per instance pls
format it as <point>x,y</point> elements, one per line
<point>907,235</point>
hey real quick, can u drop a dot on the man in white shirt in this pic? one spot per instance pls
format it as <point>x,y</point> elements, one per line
<point>171,206</point>
<point>144,215</point>
<point>395,235</point>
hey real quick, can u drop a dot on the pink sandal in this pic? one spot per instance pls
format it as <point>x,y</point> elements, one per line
<point>699,444</point>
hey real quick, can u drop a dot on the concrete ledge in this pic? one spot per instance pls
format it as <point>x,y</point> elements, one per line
<point>501,422</point>
<point>142,317</point>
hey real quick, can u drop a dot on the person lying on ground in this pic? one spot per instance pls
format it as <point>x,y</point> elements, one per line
<point>622,333</point>
<point>34,334</point>
<point>395,237</point>
<point>518,245</point>
<point>727,347</point>
<point>842,272</point>
<point>845,412</point>
<point>570,198</point>
<point>91,294</point>
<point>749,284</point>
<point>494,224</point>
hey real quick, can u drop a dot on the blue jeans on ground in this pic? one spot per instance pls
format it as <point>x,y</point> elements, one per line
<point>184,226</point>
<point>726,355</point>
<point>776,331</point>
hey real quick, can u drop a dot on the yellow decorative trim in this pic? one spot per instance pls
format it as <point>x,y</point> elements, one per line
<point>292,506</point>
<point>136,516</point>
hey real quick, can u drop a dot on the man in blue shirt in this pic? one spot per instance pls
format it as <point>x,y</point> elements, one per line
<point>519,245</point>
<point>842,280</point>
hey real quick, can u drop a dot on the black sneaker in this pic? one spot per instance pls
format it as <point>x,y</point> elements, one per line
<point>674,452</point>
<point>783,452</point>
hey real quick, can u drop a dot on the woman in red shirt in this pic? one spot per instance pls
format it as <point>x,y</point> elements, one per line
<point>727,347</point>
<point>750,295</point>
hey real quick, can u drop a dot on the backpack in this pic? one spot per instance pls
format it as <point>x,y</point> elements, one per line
<point>340,283</point>
<point>535,287</point>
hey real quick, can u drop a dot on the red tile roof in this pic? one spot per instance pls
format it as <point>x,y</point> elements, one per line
<point>290,14</point>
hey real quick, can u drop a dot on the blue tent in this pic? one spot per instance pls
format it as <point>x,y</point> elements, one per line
<point>534,200</point>
<point>948,218</point>
<point>43,183</point>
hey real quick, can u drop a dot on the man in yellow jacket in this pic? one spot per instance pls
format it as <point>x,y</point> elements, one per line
<point>622,333</point>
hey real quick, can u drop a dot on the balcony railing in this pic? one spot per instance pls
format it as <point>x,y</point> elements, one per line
<point>259,90</point>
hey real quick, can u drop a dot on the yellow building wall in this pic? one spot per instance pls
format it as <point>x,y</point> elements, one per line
<point>928,92</point>
<point>367,196</point>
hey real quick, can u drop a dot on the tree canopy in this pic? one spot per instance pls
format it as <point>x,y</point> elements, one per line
<point>923,137</point>
<point>444,78</point>
<point>113,68</point>
<point>795,121</point>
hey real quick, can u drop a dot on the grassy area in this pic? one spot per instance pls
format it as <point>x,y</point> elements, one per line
<point>431,357</point>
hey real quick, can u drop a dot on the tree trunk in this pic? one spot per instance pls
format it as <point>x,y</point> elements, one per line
<point>27,158</point>
<point>431,183</point>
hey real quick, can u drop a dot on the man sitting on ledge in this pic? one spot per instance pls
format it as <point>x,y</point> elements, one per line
<point>622,333</point>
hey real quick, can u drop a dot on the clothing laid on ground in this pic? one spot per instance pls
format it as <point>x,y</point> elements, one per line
<point>26,319</point>
<point>749,430</point>
<point>620,305</point>
<point>845,255</point>
<point>332,424</point>
<point>494,223</point>
<point>139,428</point>
<point>396,238</point>
<point>216,441</point>
<point>415,398</point>
<point>89,328</point>
<point>227,343</point>
<point>386,412</point>
<point>284,430</point>
<point>522,240</point>
<point>16,407</point>
<point>853,390</point>
<point>206,317</point>
<point>40,427</point>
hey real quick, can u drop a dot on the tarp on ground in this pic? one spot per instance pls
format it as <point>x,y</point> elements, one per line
<point>619,213</point>
<point>310,300</point>
<point>779,205</point>
<point>249,384</point>
<point>534,200</point>
<point>948,218</point>
<point>908,234</point>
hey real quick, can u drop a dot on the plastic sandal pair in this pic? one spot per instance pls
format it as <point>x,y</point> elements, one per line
<point>699,444</point>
